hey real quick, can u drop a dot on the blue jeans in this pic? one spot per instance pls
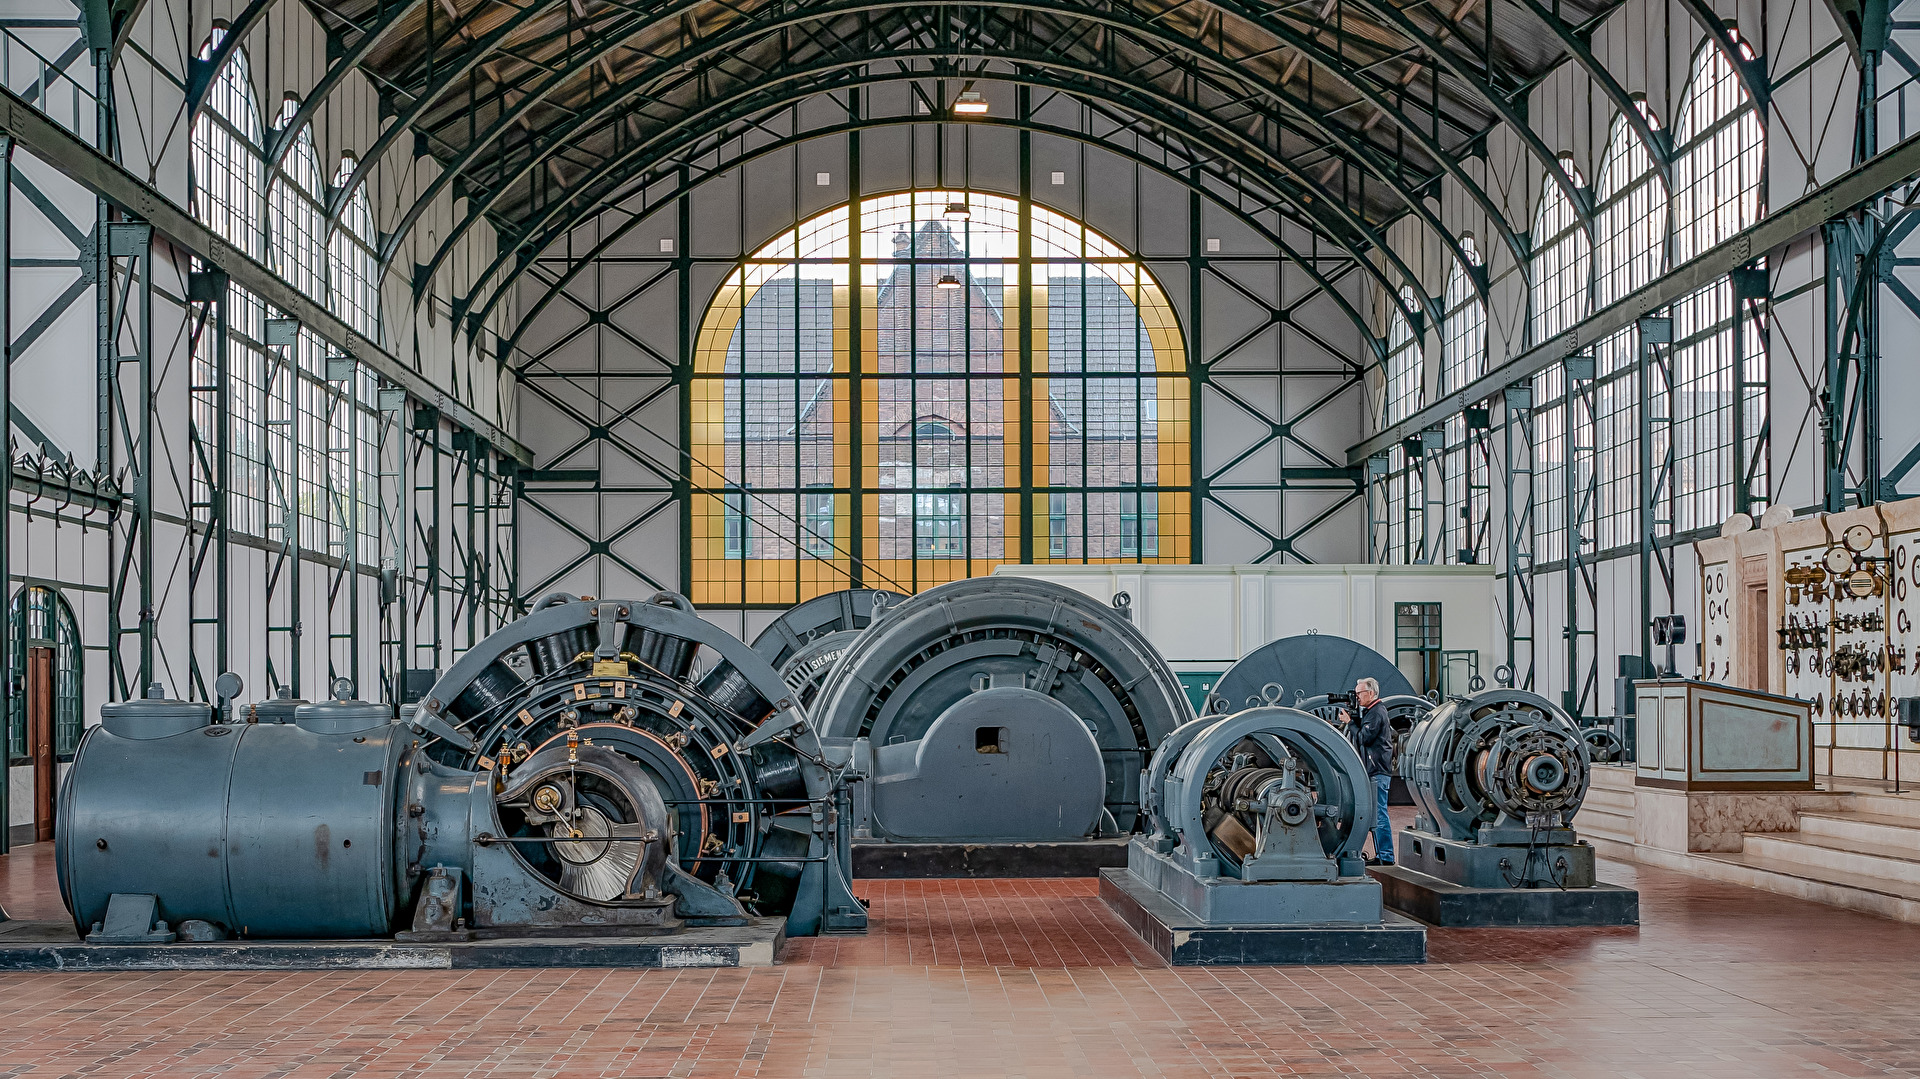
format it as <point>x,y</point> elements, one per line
<point>1382,826</point>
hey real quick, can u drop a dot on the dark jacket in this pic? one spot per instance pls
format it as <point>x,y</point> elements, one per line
<point>1373,737</point>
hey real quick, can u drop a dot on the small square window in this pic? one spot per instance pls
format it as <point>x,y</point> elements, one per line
<point>1059,179</point>
<point>666,245</point>
<point>822,179</point>
<point>1213,244</point>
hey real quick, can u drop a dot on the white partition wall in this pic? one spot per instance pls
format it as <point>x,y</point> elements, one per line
<point>1202,618</point>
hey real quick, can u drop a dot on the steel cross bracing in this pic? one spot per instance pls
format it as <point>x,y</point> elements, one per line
<point>728,150</point>
<point>908,36</point>
<point>1416,88</point>
<point>755,98</point>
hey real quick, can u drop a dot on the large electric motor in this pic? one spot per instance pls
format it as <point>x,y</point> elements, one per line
<point>1268,796</point>
<point>1498,778</point>
<point>574,771</point>
<point>998,709</point>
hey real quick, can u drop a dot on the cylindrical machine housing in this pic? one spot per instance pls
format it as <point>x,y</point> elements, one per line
<point>269,829</point>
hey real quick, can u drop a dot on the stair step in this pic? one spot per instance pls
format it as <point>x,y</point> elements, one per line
<point>1815,858</point>
<point>1899,806</point>
<point>1599,823</point>
<point>1613,777</point>
<point>1896,832</point>
<point>1609,797</point>
<point>1895,899</point>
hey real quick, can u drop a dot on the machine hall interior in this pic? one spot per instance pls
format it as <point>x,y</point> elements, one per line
<point>1345,493</point>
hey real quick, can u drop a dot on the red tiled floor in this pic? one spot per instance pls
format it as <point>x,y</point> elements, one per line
<point>1033,978</point>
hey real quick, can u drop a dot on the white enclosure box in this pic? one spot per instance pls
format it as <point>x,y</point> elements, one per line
<point>1202,618</point>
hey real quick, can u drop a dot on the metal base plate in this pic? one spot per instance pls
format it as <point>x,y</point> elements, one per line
<point>1440,903</point>
<point>1084,858</point>
<point>1473,865</point>
<point>53,946</point>
<point>1179,938</point>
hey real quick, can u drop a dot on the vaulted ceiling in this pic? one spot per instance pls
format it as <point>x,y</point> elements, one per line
<point>1345,115</point>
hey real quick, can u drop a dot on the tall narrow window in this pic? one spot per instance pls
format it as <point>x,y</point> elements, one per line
<point>1561,296</point>
<point>1403,362</point>
<point>738,537</point>
<point>1719,358</point>
<point>819,523</point>
<point>909,317</point>
<point>1057,525</point>
<point>1463,350</point>
<point>353,267</point>
<point>1404,537</point>
<point>1630,247</point>
<point>227,191</point>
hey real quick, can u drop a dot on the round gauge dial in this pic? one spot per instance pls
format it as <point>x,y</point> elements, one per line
<point>1857,537</point>
<point>1839,560</point>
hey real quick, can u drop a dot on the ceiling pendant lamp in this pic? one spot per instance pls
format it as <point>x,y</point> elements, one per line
<point>947,281</point>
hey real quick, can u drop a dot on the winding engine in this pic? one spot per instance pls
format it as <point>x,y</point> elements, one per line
<point>595,767</point>
<point>1497,778</point>
<point>1258,818</point>
<point>998,709</point>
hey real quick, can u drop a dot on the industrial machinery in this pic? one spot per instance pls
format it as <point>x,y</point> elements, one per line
<point>1258,818</point>
<point>1497,778</point>
<point>805,641</point>
<point>1315,672</point>
<point>998,709</point>
<point>582,771</point>
<point>1291,671</point>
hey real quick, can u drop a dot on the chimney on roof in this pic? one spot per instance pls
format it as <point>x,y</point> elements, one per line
<point>902,244</point>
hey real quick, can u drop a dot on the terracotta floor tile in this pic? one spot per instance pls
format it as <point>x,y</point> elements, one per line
<point>1034,978</point>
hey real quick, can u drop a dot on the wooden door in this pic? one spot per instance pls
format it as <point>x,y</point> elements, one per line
<point>40,739</point>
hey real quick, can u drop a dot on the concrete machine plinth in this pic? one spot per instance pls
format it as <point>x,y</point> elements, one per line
<point>1442,903</point>
<point>1184,940</point>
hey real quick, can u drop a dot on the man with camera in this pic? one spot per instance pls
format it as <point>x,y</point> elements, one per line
<point>1373,737</point>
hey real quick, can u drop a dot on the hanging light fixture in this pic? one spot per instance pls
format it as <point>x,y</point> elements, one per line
<point>958,211</point>
<point>971,103</point>
<point>947,281</point>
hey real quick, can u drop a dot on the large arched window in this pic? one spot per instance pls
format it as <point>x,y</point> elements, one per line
<point>1718,358</point>
<point>879,391</point>
<point>1561,296</point>
<point>1630,248</point>
<point>1458,535</point>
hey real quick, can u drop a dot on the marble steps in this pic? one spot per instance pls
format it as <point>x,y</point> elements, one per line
<point>1606,814</point>
<point>1597,822</point>
<point>1845,829</point>
<point>1821,855</point>
<point>1872,894</point>
<point>1896,806</point>
<point>1612,777</point>
<point>1609,799</point>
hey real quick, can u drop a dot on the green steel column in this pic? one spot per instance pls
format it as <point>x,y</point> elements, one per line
<point>6,488</point>
<point>856,358</point>
<point>1027,419</point>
